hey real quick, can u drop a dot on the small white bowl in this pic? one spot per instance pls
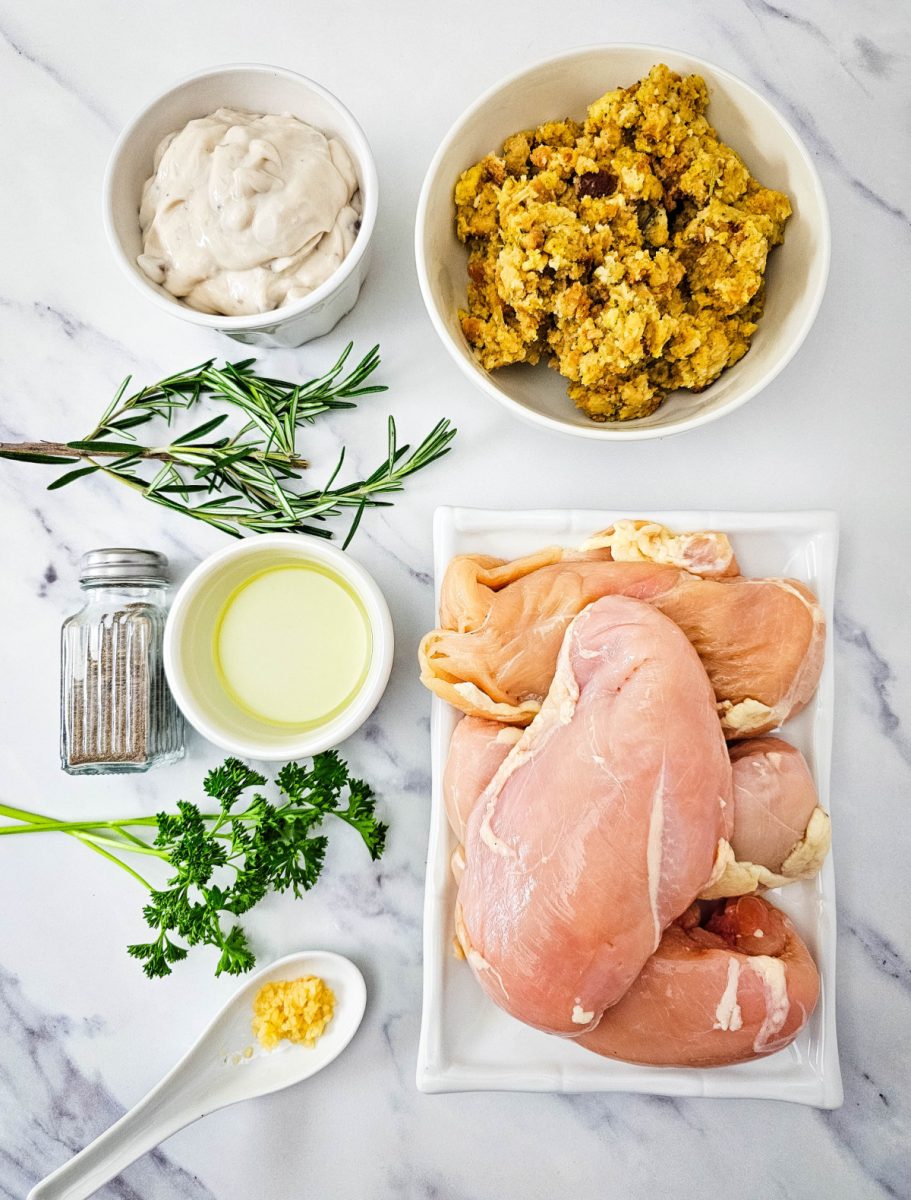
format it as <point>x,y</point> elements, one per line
<point>252,88</point>
<point>189,651</point>
<point>565,86</point>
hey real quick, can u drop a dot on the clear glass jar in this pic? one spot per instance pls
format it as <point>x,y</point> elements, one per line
<point>116,712</point>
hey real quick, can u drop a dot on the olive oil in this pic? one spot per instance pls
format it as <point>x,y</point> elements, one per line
<point>292,645</point>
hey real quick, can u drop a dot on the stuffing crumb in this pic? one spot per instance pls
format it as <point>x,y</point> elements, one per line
<point>296,1009</point>
<point>629,251</point>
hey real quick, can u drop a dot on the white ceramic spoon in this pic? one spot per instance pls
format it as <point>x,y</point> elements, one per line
<point>215,1072</point>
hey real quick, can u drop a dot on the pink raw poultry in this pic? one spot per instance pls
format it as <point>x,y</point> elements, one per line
<point>475,753</point>
<point>760,640</point>
<point>777,830</point>
<point>723,987</point>
<point>774,798</point>
<point>601,825</point>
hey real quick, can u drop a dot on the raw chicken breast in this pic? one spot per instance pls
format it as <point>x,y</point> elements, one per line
<point>776,829</point>
<point>774,798</point>
<point>475,752</point>
<point>722,988</point>
<point>779,832</point>
<point>601,824</point>
<point>760,640</point>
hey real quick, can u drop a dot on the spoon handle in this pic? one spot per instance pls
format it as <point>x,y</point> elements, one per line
<point>138,1131</point>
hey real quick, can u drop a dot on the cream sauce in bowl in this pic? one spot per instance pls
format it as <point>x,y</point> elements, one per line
<point>245,213</point>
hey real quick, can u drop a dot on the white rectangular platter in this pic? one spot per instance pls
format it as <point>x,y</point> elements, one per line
<point>467,1043</point>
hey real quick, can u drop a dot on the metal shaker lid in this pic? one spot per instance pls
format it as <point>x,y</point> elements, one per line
<point>123,564</point>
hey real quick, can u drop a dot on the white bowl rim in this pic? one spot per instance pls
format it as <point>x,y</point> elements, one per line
<point>299,745</point>
<point>614,431</point>
<point>364,162</point>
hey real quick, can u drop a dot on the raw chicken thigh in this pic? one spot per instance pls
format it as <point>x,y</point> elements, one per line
<point>722,988</point>
<point>760,640</point>
<point>774,799</point>
<point>778,833</point>
<point>601,824</point>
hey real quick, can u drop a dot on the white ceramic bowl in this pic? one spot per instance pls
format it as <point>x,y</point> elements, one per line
<point>260,89</point>
<point>189,653</point>
<point>565,86</point>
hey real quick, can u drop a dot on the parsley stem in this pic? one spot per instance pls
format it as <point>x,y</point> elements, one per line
<point>84,829</point>
<point>40,824</point>
<point>23,814</point>
<point>37,823</point>
<point>114,859</point>
<point>134,845</point>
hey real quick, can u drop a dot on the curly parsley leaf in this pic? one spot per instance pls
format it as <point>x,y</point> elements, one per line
<point>224,863</point>
<point>236,955</point>
<point>227,782</point>
<point>320,789</point>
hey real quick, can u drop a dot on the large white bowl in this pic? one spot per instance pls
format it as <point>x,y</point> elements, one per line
<point>252,88</point>
<point>565,86</point>
<point>189,653</point>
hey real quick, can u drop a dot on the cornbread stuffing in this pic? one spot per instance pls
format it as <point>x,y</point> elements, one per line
<point>629,251</point>
<point>296,1009</point>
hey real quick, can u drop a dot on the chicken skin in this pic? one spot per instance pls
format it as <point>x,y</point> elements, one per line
<point>760,640</point>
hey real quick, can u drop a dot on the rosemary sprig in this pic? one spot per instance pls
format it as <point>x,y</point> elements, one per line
<point>245,481</point>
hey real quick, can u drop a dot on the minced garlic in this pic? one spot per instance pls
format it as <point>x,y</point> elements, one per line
<point>296,1009</point>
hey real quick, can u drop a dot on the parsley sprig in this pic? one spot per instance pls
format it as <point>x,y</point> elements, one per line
<point>224,862</point>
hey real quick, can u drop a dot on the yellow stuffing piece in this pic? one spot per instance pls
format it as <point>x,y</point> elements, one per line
<point>629,251</point>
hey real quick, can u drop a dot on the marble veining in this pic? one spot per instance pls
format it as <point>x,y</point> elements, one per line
<point>882,954</point>
<point>83,1035</point>
<point>19,48</point>
<point>804,120</point>
<point>67,1107</point>
<point>881,681</point>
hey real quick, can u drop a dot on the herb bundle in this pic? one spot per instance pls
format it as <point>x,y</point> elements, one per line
<point>224,862</point>
<point>242,482</point>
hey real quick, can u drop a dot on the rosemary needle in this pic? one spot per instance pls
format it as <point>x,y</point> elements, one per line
<point>245,481</point>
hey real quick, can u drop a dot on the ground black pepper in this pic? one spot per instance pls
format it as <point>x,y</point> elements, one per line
<point>116,711</point>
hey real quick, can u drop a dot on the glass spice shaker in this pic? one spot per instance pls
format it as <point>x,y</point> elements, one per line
<point>116,712</point>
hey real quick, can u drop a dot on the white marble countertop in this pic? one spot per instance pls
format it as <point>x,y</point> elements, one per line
<point>82,1033</point>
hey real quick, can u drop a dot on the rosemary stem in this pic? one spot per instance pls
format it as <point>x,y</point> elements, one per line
<point>162,454</point>
<point>62,450</point>
<point>244,478</point>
